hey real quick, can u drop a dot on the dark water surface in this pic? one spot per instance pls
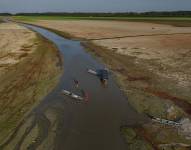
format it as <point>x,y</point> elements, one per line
<point>92,125</point>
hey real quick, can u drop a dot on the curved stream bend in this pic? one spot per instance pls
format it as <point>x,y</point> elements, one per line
<point>62,123</point>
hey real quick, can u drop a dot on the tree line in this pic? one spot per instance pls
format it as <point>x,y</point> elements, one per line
<point>111,14</point>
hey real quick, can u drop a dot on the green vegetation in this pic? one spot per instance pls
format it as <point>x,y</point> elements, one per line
<point>134,141</point>
<point>176,21</point>
<point>177,18</point>
<point>5,14</point>
<point>145,138</point>
<point>182,17</point>
<point>114,14</point>
<point>1,19</point>
<point>101,18</point>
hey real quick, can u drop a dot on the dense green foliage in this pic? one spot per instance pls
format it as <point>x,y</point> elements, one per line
<point>178,18</point>
<point>5,14</point>
<point>109,14</point>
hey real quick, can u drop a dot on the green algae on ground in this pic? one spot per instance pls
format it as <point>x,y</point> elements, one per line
<point>26,83</point>
<point>174,21</point>
<point>134,141</point>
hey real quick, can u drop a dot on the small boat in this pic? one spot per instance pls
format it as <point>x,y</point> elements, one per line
<point>102,74</point>
<point>92,72</point>
<point>164,121</point>
<point>72,95</point>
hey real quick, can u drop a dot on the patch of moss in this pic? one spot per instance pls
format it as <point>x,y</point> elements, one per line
<point>134,141</point>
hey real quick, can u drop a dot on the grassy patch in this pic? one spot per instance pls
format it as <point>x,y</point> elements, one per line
<point>134,141</point>
<point>135,137</point>
<point>100,18</point>
<point>175,21</point>
<point>26,83</point>
<point>1,19</point>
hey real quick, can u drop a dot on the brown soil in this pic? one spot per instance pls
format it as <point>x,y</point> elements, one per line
<point>182,103</point>
<point>142,133</point>
<point>13,39</point>
<point>95,29</point>
<point>26,81</point>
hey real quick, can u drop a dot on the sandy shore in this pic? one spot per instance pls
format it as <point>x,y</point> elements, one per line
<point>86,29</point>
<point>15,44</point>
<point>170,52</point>
<point>28,71</point>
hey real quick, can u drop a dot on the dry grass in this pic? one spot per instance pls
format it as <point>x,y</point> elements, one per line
<point>13,39</point>
<point>95,29</point>
<point>26,82</point>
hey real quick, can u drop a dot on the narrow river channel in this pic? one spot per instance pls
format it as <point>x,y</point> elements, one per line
<point>67,124</point>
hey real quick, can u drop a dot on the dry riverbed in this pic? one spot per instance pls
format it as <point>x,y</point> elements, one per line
<point>86,29</point>
<point>29,69</point>
<point>152,64</point>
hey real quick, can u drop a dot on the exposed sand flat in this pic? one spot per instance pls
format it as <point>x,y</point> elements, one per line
<point>162,47</point>
<point>94,29</point>
<point>29,69</point>
<point>172,51</point>
<point>16,42</point>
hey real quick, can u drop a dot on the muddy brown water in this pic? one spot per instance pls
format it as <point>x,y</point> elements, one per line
<point>92,125</point>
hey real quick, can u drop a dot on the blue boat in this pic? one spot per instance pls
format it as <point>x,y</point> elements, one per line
<point>103,74</point>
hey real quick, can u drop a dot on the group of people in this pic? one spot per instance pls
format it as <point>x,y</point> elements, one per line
<point>103,76</point>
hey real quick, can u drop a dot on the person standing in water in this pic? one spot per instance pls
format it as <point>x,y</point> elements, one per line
<point>85,94</point>
<point>76,82</point>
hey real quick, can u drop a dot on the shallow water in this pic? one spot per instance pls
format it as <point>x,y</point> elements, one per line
<point>92,125</point>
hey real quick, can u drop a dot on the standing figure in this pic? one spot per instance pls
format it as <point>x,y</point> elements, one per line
<point>76,82</point>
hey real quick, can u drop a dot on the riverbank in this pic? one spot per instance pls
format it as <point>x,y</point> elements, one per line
<point>134,79</point>
<point>30,69</point>
<point>151,67</point>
